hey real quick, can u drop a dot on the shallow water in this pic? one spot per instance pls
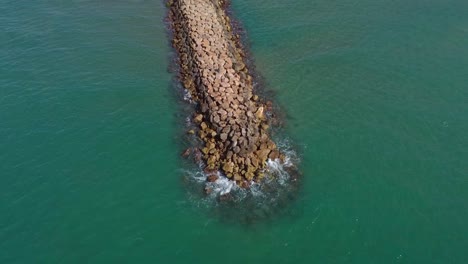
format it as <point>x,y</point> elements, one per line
<point>375,98</point>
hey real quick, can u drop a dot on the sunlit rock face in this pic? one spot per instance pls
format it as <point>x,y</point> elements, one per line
<point>231,121</point>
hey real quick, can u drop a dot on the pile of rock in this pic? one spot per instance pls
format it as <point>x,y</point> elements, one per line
<point>231,119</point>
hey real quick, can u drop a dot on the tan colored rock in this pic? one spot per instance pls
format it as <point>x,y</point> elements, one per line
<point>274,154</point>
<point>228,167</point>
<point>259,113</point>
<point>213,70</point>
<point>198,118</point>
<point>263,154</point>
<point>203,125</point>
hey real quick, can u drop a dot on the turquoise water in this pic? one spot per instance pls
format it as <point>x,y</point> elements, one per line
<point>375,94</point>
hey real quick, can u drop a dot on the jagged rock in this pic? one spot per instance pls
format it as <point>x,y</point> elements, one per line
<point>212,67</point>
<point>263,154</point>
<point>198,118</point>
<point>274,154</point>
<point>210,145</point>
<point>205,150</point>
<point>223,136</point>
<point>228,167</point>
<point>254,161</point>
<point>203,125</point>
<point>259,113</point>
<point>249,175</point>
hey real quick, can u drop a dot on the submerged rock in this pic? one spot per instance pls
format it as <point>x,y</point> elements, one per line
<point>186,153</point>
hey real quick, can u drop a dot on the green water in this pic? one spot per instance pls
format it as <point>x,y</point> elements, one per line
<point>376,98</point>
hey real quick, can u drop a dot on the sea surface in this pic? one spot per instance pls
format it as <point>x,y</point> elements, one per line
<point>375,96</point>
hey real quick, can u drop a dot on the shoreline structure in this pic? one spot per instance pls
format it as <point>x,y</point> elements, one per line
<point>232,121</point>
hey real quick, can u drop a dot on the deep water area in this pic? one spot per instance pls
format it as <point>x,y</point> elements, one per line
<point>374,97</point>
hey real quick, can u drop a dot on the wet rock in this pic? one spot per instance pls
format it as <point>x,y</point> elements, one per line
<point>208,190</point>
<point>212,178</point>
<point>186,153</point>
<point>274,154</point>
<point>263,154</point>
<point>237,177</point>
<point>225,197</point>
<point>197,155</point>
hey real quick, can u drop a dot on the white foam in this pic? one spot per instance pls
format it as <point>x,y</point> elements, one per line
<point>187,96</point>
<point>276,169</point>
<point>256,190</point>
<point>275,173</point>
<point>224,186</point>
<point>196,175</point>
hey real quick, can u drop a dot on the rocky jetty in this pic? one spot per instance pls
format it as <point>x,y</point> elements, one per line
<point>231,120</point>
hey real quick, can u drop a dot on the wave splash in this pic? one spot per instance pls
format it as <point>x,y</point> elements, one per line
<point>259,201</point>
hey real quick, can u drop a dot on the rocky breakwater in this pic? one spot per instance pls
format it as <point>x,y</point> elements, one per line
<point>231,120</point>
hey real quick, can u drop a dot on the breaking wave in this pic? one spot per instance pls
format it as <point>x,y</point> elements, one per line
<point>259,201</point>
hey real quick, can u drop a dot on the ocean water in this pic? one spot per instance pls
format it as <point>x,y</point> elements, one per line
<point>375,98</point>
